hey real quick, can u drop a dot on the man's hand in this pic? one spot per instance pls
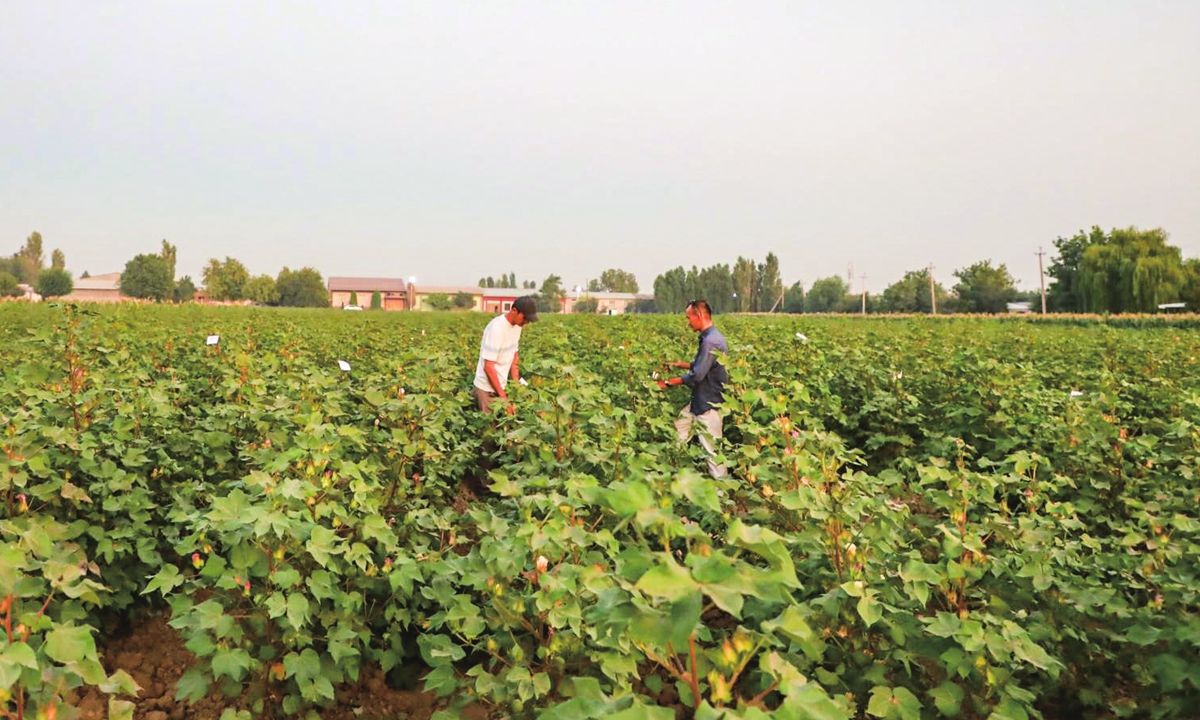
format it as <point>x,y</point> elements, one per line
<point>512,409</point>
<point>662,384</point>
<point>680,364</point>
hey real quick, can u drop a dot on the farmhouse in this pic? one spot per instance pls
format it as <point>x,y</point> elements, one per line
<point>607,303</point>
<point>97,288</point>
<point>394,292</point>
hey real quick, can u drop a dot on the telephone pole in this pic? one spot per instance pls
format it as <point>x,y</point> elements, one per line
<point>864,293</point>
<point>1042,276</point>
<point>932,294</point>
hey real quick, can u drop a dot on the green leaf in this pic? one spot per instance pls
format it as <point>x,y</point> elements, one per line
<point>870,610</point>
<point>193,685</point>
<point>880,704</point>
<point>165,580</point>
<point>233,663</point>
<point>700,491</point>
<point>627,499</point>
<point>297,610</point>
<point>120,683</point>
<point>322,544</point>
<point>856,588</point>
<point>441,680</point>
<point>120,709</point>
<point>667,580</point>
<point>68,644</point>
<point>19,654</point>
<point>944,625</point>
<point>643,712</point>
<point>1009,709</point>
<point>1142,634</point>
<point>302,666</point>
<point>948,698</point>
<point>793,625</point>
<point>811,702</point>
<point>910,705</point>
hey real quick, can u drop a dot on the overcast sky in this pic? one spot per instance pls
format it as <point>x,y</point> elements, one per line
<point>453,140</point>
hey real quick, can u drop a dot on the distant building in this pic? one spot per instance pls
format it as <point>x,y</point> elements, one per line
<point>607,303</point>
<point>422,293</point>
<point>98,288</point>
<point>1019,307</point>
<point>394,292</point>
<point>27,293</point>
<point>500,300</point>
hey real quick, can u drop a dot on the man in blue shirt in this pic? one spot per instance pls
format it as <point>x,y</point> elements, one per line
<point>706,377</point>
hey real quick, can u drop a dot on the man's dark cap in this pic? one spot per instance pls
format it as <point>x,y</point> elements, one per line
<point>527,307</point>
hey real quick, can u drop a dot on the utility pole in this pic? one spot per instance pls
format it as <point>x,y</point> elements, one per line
<point>864,293</point>
<point>1042,275</point>
<point>932,294</point>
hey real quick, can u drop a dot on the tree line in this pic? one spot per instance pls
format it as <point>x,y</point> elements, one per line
<point>1122,270</point>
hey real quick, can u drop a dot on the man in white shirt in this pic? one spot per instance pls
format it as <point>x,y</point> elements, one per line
<point>499,358</point>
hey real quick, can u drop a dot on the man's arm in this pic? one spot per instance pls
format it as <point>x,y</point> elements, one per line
<point>700,366</point>
<point>489,369</point>
<point>514,372</point>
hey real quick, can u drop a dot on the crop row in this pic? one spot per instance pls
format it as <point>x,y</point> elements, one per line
<point>952,518</point>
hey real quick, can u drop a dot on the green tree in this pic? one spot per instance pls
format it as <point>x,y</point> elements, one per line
<point>793,299</point>
<point>261,290</point>
<point>169,253</point>
<point>910,294</point>
<point>185,289</point>
<point>301,288</point>
<point>671,291</point>
<point>58,261</point>
<point>1066,293</point>
<point>826,295</point>
<point>1190,291</point>
<point>745,278</point>
<point>586,305</point>
<point>147,277</point>
<point>9,285</point>
<point>439,301</point>
<point>983,288</point>
<point>551,294</point>
<point>770,285</point>
<point>30,259</point>
<point>617,280</point>
<point>226,280</point>
<point>85,274</point>
<point>463,300</point>
<point>54,282</point>
<point>715,284</point>
<point>354,298</point>
<point>1134,271</point>
<point>376,300</point>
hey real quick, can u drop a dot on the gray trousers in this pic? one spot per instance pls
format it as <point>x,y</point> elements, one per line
<point>709,429</point>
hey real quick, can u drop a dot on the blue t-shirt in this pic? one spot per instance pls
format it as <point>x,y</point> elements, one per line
<point>707,377</point>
